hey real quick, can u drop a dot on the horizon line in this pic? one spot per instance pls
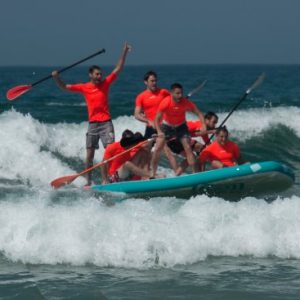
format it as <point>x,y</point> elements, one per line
<point>165,64</point>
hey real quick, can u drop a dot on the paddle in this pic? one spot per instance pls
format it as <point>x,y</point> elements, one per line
<point>58,182</point>
<point>197,89</point>
<point>19,90</point>
<point>257,82</point>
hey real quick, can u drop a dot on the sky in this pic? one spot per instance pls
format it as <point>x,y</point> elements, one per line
<point>59,32</point>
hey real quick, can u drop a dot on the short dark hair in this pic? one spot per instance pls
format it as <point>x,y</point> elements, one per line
<point>93,68</point>
<point>148,74</point>
<point>176,86</point>
<point>127,134</point>
<point>222,129</point>
<point>130,139</point>
<point>211,114</point>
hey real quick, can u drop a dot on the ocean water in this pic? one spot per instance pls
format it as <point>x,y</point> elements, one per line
<point>68,244</point>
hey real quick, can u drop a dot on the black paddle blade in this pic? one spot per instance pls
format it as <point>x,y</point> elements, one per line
<point>197,89</point>
<point>257,82</point>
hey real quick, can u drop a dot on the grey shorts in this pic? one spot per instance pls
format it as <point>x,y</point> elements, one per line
<point>100,130</point>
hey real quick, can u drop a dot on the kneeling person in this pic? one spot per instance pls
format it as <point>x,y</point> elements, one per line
<point>222,152</point>
<point>134,162</point>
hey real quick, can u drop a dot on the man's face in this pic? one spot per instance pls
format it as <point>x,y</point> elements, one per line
<point>96,76</point>
<point>151,83</point>
<point>177,94</point>
<point>222,138</point>
<point>211,123</point>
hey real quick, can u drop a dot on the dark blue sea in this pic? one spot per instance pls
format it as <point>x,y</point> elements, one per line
<point>69,244</point>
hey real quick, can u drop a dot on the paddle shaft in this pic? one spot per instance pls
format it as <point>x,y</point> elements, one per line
<point>233,109</point>
<point>227,117</point>
<point>68,179</point>
<point>257,82</point>
<point>69,67</point>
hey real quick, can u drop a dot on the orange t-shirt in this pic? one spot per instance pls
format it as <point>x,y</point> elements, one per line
<point>194,126</point>
<point>149,102</point>
<point>96,97</point>
<point>226,154</point>
<point>173,112</point>
<point>114,149</point>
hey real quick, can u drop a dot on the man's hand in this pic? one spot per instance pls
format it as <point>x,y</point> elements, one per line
<point>127,47</point>
<point>160,134</point>
<point>151,123</point>
<point>55,74</point>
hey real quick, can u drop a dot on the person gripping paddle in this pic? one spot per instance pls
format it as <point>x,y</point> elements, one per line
<point>96,93</point>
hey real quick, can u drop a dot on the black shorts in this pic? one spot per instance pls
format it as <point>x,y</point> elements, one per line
<point>176,146</point>
<point>149,131</point>
<point>178,132</point>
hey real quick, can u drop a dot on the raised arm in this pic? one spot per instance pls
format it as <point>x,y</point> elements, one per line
<point>121,62</point>
<point>62,85</point>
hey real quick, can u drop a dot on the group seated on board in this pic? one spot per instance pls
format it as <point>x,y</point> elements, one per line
<point>133,155</point>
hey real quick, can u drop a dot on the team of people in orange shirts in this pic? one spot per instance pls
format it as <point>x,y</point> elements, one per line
<point>164,114</point>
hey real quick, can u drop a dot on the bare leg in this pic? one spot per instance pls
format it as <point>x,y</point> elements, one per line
<point>216,164</point>
<point>171,158</point>
<point>160,143</point>
<point>198,147</point>
<point>146,151</point>
<point>90,152</point>
<point>139,164</point>
<point>189,154</point>
<point>142,159</point>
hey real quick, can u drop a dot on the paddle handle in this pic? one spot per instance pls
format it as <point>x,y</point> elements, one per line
<point>70,66</point>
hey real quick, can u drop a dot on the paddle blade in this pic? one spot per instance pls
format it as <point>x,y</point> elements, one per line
<point>17,91</point>
<point>257,82</point>
<point>197,89</point>
<point>58,182</point>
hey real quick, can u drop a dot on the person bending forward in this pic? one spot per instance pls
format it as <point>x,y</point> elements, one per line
<point>170,122</point>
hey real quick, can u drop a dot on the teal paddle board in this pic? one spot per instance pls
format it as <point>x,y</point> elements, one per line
<point>260,178</point>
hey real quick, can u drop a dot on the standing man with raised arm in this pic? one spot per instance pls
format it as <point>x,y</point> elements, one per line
<point>170,122</point>
<point>96,93</point>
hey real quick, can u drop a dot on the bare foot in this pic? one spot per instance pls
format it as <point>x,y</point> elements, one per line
<point>158,176</point>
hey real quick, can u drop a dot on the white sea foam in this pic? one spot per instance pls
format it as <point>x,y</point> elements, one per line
<point>135,233</point>
<point>140,234</point>
<point>81,104</point>
<point>245,124</point>
<point>36,153</point>
<point>21,154</point>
